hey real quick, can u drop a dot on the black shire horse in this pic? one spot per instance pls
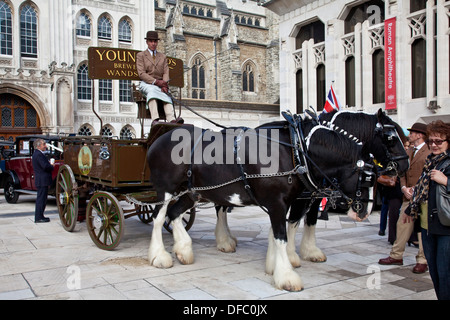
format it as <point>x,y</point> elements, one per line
<point>224,169</point>
<point>382,136</point>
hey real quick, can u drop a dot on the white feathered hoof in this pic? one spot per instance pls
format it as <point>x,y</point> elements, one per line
<point>313,255</point>
<point>182,246</point>
<point>289,281</point>
<point>227,246</point>
<point>184,254</point>
<point>161,260</point>
<point>294,259</point>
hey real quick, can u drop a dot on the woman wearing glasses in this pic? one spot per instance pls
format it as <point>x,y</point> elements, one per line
<point>435,235</point>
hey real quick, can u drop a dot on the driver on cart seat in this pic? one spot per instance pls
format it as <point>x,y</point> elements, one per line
<point>153,70</point>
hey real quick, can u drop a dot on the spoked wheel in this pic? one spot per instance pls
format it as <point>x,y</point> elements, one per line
<point>145,213</point>
<point>188,220</point>
<point>67,198</point>
<point>104,220</point>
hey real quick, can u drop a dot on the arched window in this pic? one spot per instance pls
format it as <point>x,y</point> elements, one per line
<point>28,32</point>
<point>125,31</point>
<point>350,83</point>
<point>378,80</point>
<point>5,29</point>
<point>320,82</point>
<point>198,80</point>
<point>127,133</point>
<point>105,90</point>
<point>104,29</point>
<point>83,25</point>
<point>107,131</point>
<point>314,30</point>
<point>363,12</point>
<point>17,113</point>
<point>84,84</point>
<point>416,5</point>
<point>248,78</point>
<point>85,130</point>
<point>125,91</point>
<point>419,68</point>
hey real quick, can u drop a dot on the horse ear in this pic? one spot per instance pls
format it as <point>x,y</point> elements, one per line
<point>380,114</point>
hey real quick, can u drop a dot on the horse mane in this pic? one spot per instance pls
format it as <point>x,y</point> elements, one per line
<point>334,142</point>
<point>360,122</point>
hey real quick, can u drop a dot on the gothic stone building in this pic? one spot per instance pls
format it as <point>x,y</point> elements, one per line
<point>343,42</point>
<point>229,49</point>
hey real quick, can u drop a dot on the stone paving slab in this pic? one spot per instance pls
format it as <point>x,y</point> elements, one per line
<point>43,261</point>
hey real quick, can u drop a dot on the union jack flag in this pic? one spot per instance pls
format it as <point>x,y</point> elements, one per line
<point>332,102</point>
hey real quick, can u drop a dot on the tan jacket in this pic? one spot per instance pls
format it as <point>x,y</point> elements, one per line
<point>150,70</point>
<point>415,167</point>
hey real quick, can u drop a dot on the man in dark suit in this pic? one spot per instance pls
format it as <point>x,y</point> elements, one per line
<point>417,155</point>
<point>42,178</point>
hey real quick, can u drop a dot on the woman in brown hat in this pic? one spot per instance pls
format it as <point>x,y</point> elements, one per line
<point>153,70</point>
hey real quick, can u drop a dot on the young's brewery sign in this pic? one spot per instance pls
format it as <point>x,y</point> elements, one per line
<point>120,64</point>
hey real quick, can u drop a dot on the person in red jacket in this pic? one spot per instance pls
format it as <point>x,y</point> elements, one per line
<point>42,178</point>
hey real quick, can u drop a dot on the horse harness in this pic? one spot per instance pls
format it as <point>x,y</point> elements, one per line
<point>301,159</point>
<point>301,162</point>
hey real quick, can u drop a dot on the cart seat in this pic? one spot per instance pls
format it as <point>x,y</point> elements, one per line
<point>143,111</point>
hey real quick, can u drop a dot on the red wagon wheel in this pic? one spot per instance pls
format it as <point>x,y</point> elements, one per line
<point>67,197</point>
<point>105,220</point>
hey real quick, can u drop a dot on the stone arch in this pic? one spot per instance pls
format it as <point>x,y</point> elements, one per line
<point>42,112</point>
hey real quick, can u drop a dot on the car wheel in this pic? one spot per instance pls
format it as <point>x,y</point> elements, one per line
<point>11,195</point>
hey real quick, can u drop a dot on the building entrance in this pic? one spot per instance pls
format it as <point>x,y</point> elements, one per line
<point>17,117</point>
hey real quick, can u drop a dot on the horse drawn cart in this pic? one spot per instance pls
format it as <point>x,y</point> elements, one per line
<point>100,173</point>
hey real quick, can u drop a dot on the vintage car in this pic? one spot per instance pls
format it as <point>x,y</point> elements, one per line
<point>18,174</point>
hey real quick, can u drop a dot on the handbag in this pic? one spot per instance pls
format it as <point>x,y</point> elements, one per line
<point>443,200</point>
<point>388,181</point>
<point>443,205</point>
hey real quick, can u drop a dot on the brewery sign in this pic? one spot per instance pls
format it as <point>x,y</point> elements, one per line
<point>120,64</point>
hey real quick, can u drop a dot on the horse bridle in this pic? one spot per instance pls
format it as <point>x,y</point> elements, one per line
<point>388,135</point>
<point>366,179</point>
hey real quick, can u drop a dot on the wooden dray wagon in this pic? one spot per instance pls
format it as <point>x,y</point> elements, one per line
<point>100,172</point>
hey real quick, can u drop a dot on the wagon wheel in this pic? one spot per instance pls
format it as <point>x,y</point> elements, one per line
<point>67,197</point>
<point>188,220</point>
<point>104,220</point>
<point>145,213</point>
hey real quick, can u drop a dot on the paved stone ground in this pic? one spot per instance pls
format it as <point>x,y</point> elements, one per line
<point>43,261</point>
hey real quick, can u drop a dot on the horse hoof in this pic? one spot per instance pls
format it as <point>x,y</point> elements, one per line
<point>162,261</point>
<point>295,262</point>
<point>293,288</point>
<point>228,248</point>
<point>318,260</point>
<point>185,259</point>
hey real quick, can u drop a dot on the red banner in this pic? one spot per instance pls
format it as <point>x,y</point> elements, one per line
<point>389,64</point>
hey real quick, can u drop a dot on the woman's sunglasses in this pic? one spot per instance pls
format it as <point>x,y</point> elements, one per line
<point>437,142</point>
